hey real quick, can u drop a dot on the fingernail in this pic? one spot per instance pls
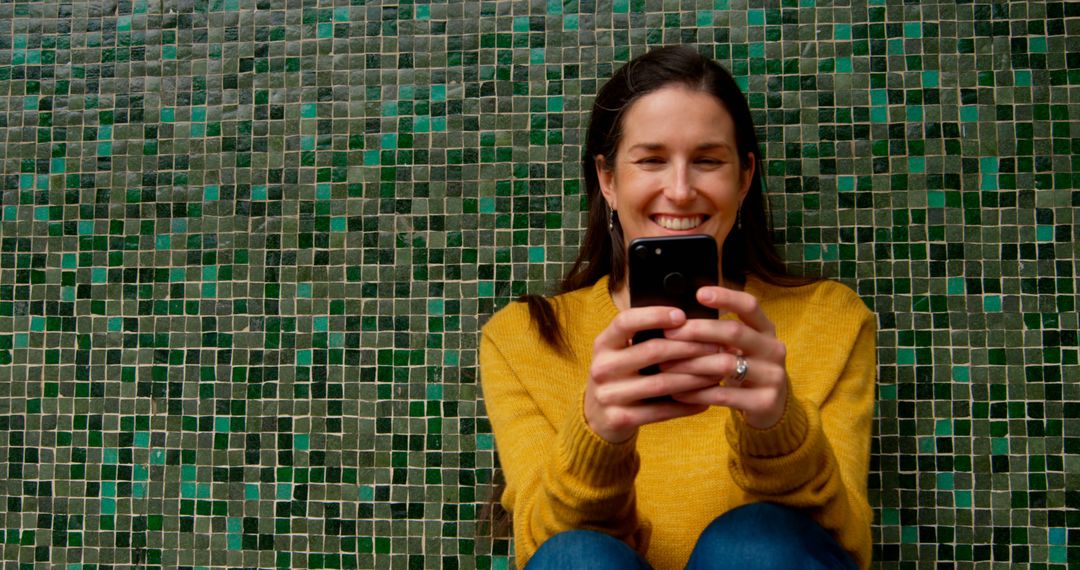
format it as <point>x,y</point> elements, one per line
<point>676,315</point>
<point>708,295</point>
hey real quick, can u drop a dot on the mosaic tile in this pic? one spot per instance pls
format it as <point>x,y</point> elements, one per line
<point>245,247</point>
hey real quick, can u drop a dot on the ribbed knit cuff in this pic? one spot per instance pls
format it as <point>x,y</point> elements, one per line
<point>781,439</point>
<point>592,459</point>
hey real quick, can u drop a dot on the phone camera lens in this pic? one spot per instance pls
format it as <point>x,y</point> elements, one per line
<point>675,283</point>
<point>641,251</point>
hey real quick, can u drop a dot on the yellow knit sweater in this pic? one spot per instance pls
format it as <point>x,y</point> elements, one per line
<point>659,490</point>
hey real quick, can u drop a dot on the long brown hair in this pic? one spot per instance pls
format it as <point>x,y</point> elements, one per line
<point>748,248</point>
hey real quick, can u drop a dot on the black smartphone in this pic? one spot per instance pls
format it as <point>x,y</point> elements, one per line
<point>668,271</point>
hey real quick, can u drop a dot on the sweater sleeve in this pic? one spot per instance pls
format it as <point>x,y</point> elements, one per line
<point>559,474</point>
<point>818,458</point>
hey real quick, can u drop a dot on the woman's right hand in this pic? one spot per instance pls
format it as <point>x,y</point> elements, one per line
<point>618,399</point>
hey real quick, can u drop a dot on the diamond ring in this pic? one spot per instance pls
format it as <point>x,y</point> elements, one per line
<point>742,368</point>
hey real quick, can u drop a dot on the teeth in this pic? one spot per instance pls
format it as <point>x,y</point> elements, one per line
<point>681,223</point>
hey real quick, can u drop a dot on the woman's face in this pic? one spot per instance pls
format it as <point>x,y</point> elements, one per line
<point>677,168</point>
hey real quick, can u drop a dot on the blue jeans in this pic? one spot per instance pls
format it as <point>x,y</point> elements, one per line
<point>757,536</point>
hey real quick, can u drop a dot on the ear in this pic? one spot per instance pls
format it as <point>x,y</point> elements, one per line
<point>747,175</point>
<point>606,174</point>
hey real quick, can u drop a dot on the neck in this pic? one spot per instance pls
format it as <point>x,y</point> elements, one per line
<point>621,296</point>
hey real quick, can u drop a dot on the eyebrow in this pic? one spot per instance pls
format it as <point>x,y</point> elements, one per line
<point>650,147</point>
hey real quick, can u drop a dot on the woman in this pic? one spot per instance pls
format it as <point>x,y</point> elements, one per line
<point>758,456</point>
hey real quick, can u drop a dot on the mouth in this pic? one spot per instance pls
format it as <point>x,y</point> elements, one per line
<point>678,223</point>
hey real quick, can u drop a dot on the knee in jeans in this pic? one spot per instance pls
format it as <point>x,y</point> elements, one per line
<point>573,540</point>
<point>765,536</point>
<point>584,549</point>
<point>759,520</point>
<point>767,530</point>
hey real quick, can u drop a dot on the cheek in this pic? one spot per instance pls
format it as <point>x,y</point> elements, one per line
<point>737,180</point>
<point>630,186</point>
<point>724,184</point>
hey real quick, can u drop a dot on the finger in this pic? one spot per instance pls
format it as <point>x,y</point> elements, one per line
<point>748,400</point>
<point>633,417</point>
<point>735,335</point>
<point>761,407</point>
<point>759,372</point>
<point>717,365</point>
<point>625,324</point>
<point>610,365</point>
<point>666,409</point>
<point>742,304</point>
<point>647,388</point>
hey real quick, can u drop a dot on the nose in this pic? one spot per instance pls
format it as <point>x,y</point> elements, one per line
<point>679,188</point>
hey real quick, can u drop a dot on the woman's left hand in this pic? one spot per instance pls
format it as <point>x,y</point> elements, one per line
<point>762,394</point>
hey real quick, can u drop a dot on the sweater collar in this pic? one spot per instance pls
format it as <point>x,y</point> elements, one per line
<point>602,305</point>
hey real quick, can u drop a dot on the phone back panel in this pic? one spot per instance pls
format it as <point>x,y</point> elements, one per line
<point>668,271</point>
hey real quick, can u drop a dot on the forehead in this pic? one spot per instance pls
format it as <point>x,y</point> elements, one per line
<point>677,114</point>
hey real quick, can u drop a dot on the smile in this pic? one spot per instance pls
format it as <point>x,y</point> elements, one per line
<point>678,223</point>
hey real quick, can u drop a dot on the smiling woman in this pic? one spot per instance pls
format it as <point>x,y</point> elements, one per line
<point>677,169</point>
<point>750,447</point>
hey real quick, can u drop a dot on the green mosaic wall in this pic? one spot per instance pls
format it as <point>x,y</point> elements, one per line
<point>245,249</point>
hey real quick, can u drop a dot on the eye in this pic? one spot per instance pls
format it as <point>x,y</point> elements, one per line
<point>650,160</point>
<point>709,161</point>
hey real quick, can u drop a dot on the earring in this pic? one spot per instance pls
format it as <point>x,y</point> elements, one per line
<point>738,218</point>
<point>610,219</point>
